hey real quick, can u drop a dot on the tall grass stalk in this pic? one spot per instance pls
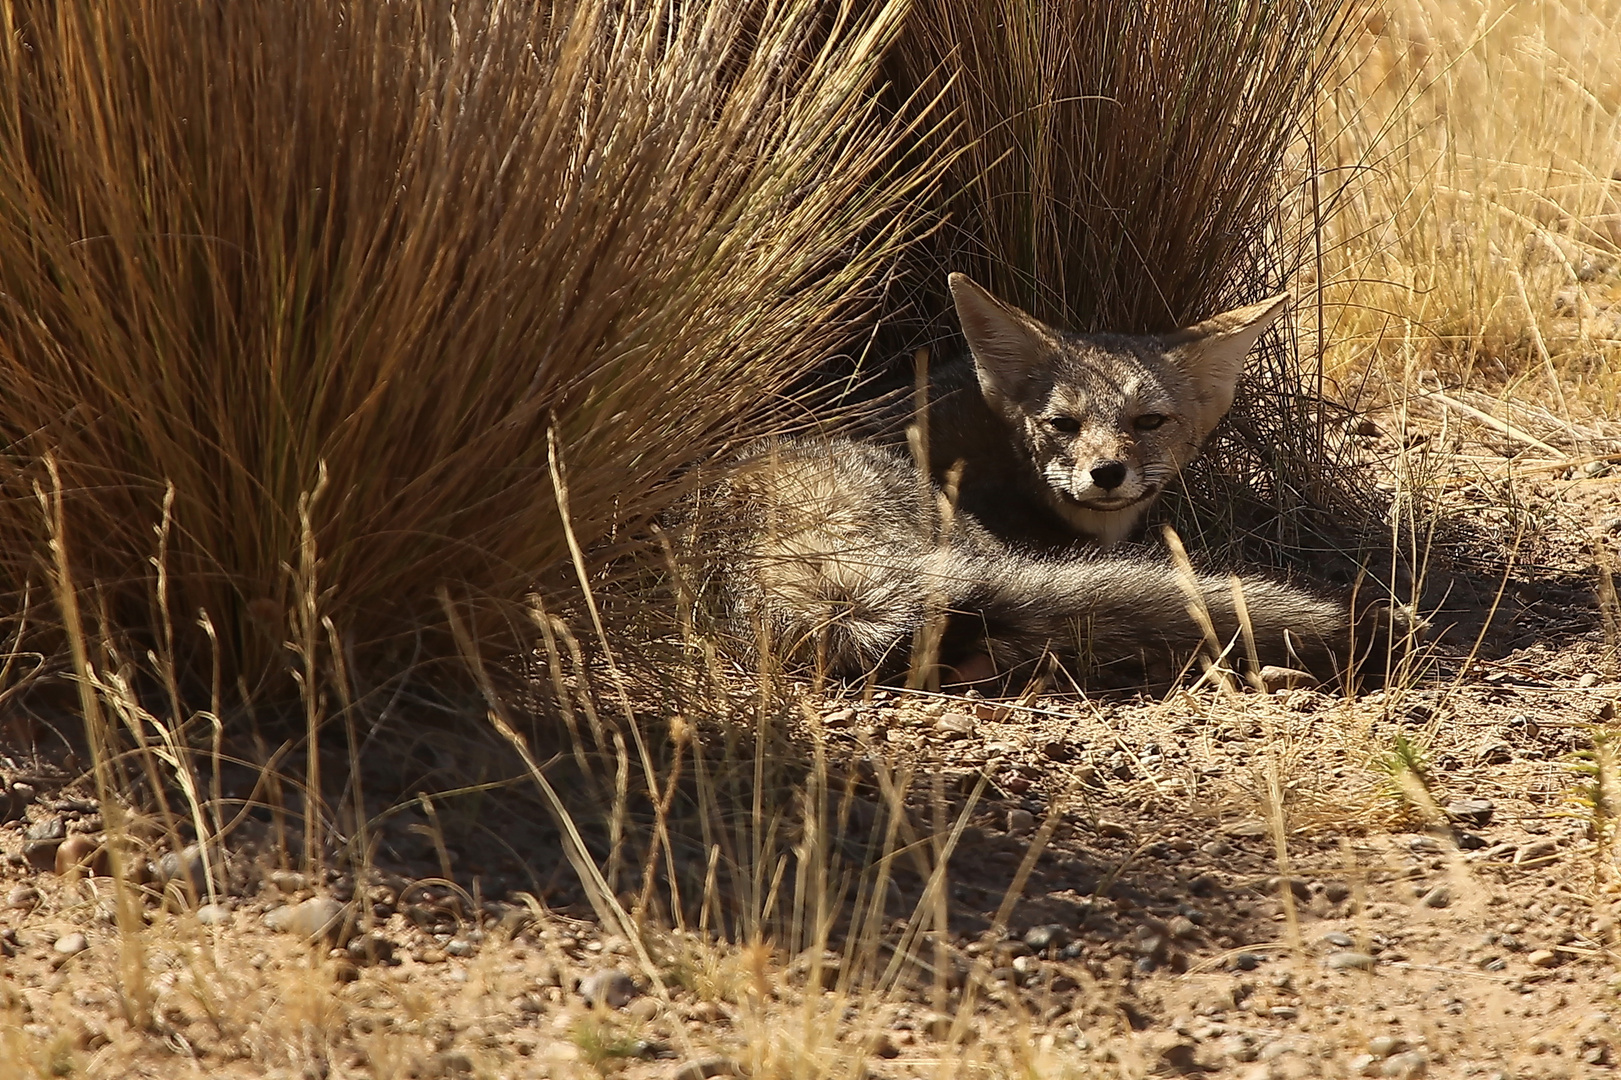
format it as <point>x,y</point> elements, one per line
<point>1123,164</point>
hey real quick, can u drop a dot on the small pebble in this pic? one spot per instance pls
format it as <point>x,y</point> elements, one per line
<point>41,854</point>
<point>1046,936</point>
<point>706,1012</point>
<point>839,718</point>
<point>706,1069</point>
<point>1216,848</point>
<point>1474,812</point>
<point>371,948</point>
<point>1299,886</point>
<point>12,805</point>
<point>1438,897</point>
<point>1245,961</point>
<point>71,944</point>
<point>23,897</point>
<point>1274,678</point>
<point>1350,961</point>
<point>54,827</point>
<point>1339,939</point>
<point>1382,1046</point>
<point>936,1026</point>
<point>645,1009</point>
<point>213,914</point>
<point>460,947</point>
<point>612,988</point>
<point>183,869</point>
<point>1406,1066</point>
<point>1535,852</point>
<point>75,854</point>
<point>319,916</point>
<point>1542,958</point>
<point>1020,821</point>
<point>954,725</point>
<point>1591,679</point>
<point>1176,1055</point>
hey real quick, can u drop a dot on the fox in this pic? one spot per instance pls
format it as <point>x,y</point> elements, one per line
<point>982,547</point>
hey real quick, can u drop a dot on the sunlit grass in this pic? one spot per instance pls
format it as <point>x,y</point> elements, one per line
<point>1471,154</point>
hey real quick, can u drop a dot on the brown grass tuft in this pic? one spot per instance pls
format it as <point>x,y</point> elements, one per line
<point>1123,164</point>
<point>347,264</point>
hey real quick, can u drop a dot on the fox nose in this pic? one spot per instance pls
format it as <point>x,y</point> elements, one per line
<point>1109,475</point>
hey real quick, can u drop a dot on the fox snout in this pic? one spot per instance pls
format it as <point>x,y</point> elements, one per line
<point>1109,474</point>
<point>1106,478</point>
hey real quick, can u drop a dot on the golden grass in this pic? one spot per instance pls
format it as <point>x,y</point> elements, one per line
<point>313,289</point>
<point>1123,168</point>
<point>1471,157</point>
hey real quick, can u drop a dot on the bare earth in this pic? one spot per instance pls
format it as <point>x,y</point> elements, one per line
<point>1219,883</point>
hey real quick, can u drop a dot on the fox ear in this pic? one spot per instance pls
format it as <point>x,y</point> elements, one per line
<point>1212,353</point>
<point>1007,344</point>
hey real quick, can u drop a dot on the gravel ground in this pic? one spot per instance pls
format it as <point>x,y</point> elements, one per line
<point>1227,884</point>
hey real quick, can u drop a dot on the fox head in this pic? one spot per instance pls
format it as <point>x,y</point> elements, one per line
<point>1106,420</point>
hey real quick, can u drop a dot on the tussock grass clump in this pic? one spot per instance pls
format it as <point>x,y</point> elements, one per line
<point>312,288</point>
<point>1127,167</point>
<point>1124,163</point>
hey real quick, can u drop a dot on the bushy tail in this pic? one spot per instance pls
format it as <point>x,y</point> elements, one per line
<point>1125,621</point>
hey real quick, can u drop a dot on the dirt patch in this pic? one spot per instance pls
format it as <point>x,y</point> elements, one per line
<point>1417,881</point>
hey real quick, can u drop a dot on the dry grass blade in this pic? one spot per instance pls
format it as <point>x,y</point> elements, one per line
<point>1127,161</point>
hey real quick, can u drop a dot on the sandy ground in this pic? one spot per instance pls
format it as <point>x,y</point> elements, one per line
<point>1219,883</point>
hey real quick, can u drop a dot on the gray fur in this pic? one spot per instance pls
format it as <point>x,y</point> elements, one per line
<point>991,416</point>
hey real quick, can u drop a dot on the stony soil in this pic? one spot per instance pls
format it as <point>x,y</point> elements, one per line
<point>1214,882</point>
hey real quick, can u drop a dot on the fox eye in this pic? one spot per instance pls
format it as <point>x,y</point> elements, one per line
<point>1148,421</point>
<point>1067,424</point>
